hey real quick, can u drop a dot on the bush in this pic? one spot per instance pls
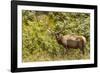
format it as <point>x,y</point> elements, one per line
<point>39,44</point>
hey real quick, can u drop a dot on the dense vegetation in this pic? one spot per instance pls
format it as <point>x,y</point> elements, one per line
<point>39,44</point>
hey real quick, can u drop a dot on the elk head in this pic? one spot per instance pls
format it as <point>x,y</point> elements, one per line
<point>58,33</point>
<point>58,37</point>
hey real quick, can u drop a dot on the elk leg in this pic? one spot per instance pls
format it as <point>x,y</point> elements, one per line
<point>81,47</point>
<point>82,50</point>
<point>64,51</point>
<point>65,47</point>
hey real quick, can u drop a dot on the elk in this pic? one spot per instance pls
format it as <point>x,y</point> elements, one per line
<point>71,41</point>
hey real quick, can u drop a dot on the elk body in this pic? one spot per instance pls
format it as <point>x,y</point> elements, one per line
<point>71,41</point>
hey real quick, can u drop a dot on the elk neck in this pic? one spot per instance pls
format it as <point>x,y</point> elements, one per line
<point>59,38</point>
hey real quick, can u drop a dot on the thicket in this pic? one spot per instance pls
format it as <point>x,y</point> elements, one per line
<point>39,44</point>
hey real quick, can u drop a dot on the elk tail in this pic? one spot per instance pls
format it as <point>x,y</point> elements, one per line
<point>83,39</point>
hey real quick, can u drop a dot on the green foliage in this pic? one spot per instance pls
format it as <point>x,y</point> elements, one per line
<point>39,44</point>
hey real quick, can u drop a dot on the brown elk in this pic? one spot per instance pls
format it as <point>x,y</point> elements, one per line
<point>71,41</point>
